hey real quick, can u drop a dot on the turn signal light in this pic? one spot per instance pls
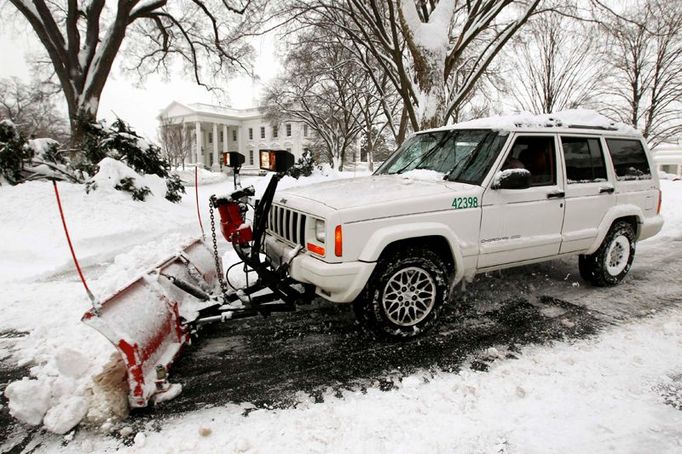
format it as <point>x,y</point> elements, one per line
<point>338,241</point>
<point>660,200</point>
<point>315,249</point>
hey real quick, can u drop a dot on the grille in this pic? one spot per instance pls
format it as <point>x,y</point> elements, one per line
<point>287,224</point>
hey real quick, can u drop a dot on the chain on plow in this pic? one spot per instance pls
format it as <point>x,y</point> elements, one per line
<point>216,256</point>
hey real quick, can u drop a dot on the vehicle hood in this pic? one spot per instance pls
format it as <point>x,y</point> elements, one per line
<point>378,195</point>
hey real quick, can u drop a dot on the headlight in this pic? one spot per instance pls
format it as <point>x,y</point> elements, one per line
<point>320,231</point>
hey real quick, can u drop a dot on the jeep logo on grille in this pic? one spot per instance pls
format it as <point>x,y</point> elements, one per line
<point>283,201</point>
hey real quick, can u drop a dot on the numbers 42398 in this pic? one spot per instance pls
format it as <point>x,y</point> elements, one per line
<point>465,202</point>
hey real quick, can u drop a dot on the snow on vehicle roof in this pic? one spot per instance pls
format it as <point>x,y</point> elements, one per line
<point>571,119</point>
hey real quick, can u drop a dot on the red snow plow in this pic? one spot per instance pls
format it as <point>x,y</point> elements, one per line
<point>154,316</point>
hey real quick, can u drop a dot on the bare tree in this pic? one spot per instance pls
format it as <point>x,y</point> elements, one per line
<point>433,52</point>
<point>371,104</point>
<point>646,69</point>
<point>176,141</point>
<point>32,108</point>
<point>321,88</point>
<point>556,63</point>
<point>83,38</point>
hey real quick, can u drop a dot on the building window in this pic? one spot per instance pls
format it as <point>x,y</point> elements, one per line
<point>210,137</point>
<point>234,135</point>
<point>305,130</point>
<point>288,129</point>
<point>262,132</point>
<point>221,137</point>
<point>274,132</point>
<point>250,157</point>
<point>250,133</point>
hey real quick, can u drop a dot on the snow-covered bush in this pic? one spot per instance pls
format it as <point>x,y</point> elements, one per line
<point>174,188</point>
<point>127,184</point>
<point>22,160</point>
<point>303,167</point>
<point>13,152</point>
<point>122,143</point>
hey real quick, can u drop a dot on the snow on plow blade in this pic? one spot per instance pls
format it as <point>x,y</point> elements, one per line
<point>143,319</point>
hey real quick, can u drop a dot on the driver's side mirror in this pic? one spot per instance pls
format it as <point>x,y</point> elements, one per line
<point>512,179</point>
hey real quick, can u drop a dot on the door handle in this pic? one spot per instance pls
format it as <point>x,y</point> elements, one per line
<point>607,190</point>
<point>556,195</point>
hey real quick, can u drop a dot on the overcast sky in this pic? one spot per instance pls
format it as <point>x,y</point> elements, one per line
<point>138,103</point>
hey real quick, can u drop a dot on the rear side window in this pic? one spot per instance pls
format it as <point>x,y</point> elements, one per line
<point>584,160</point>
<point>629,159</point>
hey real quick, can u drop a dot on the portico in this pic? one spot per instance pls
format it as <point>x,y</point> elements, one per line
<point>213,130</point>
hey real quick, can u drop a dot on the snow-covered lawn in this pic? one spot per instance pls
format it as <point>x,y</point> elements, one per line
<point>590,395</point>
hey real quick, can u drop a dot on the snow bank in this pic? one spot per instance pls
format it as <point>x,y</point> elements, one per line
<point>112,171</point>
<point>566,118</point>
<point>103,223</point>
<point>205,176</point>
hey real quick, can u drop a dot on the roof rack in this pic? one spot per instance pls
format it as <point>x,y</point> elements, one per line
<point>601,128</point>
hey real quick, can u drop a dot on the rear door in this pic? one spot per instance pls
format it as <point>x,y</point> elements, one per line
<point>524,224</point>
<point>635,182</point>
<point>590,191</point>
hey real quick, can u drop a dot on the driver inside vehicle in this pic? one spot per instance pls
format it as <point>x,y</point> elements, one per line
<point>535,154</point>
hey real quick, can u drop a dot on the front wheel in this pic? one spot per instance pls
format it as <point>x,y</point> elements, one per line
<point>612,261</point>
<point>403,297</point>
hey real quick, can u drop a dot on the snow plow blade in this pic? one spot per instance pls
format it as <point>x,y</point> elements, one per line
<point>145,320</point>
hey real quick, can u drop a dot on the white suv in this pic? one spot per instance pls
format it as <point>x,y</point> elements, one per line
<point>457,201</point>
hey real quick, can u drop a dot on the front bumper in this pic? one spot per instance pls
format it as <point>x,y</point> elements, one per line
<point>336,282</point>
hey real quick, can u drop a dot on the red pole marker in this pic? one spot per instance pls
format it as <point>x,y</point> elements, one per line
<point>95,305</point>
<point>196,194</point>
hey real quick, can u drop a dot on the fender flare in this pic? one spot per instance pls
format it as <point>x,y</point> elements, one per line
<point>383,237</point>
<point>620,211</point>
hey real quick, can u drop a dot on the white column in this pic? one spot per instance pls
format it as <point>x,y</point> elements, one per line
<point>216,163</point>
<point>199,144</point>
<point>238,145</point>
<point>186,141</point>
<point>225,139</point>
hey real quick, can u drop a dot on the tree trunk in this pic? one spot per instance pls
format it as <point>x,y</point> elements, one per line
<point>402,128</point>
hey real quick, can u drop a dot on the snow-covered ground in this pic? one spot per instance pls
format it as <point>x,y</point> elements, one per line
<point>596,394</point>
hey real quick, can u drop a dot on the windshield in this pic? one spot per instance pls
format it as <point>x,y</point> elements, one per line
<point>460,155</point>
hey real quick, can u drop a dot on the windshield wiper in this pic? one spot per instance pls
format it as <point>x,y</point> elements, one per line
<point>432,150</point>
<point>475,151</point>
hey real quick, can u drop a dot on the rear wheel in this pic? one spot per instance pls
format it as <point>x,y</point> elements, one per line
<point>612,261</point>
<point>403,297</point>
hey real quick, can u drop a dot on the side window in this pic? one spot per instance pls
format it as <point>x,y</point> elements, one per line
<point>537,155</point>
<point>584,160</point>
<point>629,159</point>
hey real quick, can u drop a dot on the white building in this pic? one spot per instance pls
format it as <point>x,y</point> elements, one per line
<point>668,158</point>
<point>217,130</point>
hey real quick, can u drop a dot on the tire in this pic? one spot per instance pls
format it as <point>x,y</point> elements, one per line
<point>612,261</point>
<point>388,307</point>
